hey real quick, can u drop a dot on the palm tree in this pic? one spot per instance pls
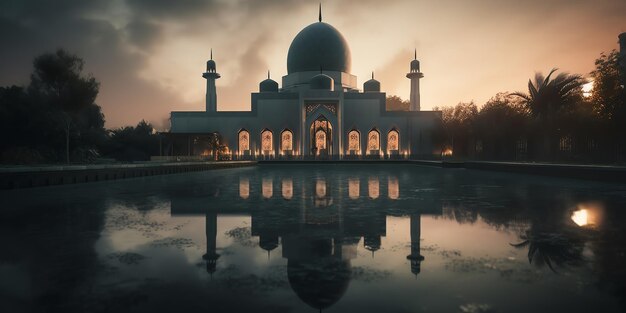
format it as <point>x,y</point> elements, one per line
<point>548,97</point>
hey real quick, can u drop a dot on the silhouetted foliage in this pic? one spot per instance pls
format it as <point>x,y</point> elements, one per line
<point>608,97</point>
<point>132,143</point>
<point>395,103</point>
<point>55,117</point>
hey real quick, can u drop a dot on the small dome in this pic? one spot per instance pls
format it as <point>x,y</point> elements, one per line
<point>210,66</point>
<point>322,82</point>
<point>371,85</point>
<point>415,66</point>
<point>268,85</point>
<point>319,44</point>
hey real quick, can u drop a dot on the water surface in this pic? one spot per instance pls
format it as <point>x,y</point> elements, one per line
<point>340,238</point>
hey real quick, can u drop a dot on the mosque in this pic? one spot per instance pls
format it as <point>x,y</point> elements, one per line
<point>319,112</point>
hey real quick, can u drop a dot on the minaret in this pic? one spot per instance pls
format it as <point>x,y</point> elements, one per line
<point>416,231</point>
<point>622,62</point>
<point>211,93</point>
<point>414,75</point>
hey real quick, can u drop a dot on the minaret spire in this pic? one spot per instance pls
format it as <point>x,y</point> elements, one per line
<point>320,17</point>
<point>415,57</point>
<point>211,53</point>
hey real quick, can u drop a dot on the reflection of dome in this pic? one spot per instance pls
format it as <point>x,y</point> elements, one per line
<point>268,243</point>
<point>320,282</point>
<point>322,82</point>
<point>319,45</point>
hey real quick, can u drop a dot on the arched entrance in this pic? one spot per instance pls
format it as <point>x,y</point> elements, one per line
<point>321,134</point>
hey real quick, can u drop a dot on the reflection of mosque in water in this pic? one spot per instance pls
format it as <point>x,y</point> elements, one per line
<point>319,222</point>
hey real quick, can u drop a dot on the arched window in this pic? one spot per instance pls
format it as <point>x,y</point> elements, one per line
<point>373,140</point>
<point>286,140</point>
<point>266,141</point>
<point>393,140</point>
<point>354,141</point>
<point>244,141</point>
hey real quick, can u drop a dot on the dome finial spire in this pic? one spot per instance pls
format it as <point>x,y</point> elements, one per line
<point>268,74</point>
<point>415,57</point>
<point>211,53</point>
<point>320,17</point>
<point>372,74</point>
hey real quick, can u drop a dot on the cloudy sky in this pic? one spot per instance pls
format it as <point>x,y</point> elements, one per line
<point>149,54</point>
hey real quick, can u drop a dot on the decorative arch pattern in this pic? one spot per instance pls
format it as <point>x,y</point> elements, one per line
<point>393,140</point>
<point>267,139</point>
<point>286,140</point>
<point>354,140</point>
<point>244,141</point>
<point>373,140</point>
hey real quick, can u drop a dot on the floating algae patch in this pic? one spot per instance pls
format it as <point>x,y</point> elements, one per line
<point>367,274</point>
<point>172,242</point>
<point>242,236</point>
<point>507,268</point>
<point>128,258</point>
<point>476,308</point>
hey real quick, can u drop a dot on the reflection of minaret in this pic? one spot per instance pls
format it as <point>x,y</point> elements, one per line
<point>414,75</point>
<point>371,243</point>
<point>211,233</point>
<point>211,92</point>
<point>415,257</point>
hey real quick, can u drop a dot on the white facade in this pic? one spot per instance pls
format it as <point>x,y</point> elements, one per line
<point>315,113</point>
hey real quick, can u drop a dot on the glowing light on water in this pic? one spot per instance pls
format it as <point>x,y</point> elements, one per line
<point>287,188</point>
<point>581,217</point>
<point>588,214</point>
<point>353,188</point>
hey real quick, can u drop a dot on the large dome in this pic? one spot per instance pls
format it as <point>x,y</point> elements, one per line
<point>319,45</point>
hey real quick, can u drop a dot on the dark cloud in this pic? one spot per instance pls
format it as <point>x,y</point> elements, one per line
<point>174,9</point>
<point>143,33</point>
<point>119,40</point>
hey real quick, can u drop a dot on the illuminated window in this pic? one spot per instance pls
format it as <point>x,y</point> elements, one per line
<point>266,140</point>
<point>320,140</point>
<point>267,187</point>
<point>373,187</point>
<point>286,140</point>
<point>393,143</point>
<point>354,141</point>
<point>373,140</point>
<point>353,188</point>
<point>287,188</point>
<point>244,141</point>
<point>393,188</point>
<point>244,187</point>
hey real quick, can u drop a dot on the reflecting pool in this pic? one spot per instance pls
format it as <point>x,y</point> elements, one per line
<point>305,238</point>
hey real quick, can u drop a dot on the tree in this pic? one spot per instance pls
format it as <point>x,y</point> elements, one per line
<point>133,143</point>
<point>395,103</point>
<point>458,125</point>
<point>57,82</point>
<point>608,97</point>
<point>500,123</point>
<point>547,98</point>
